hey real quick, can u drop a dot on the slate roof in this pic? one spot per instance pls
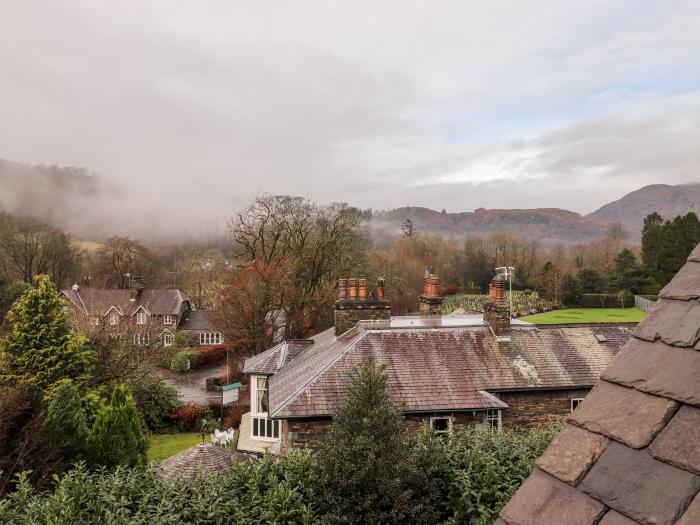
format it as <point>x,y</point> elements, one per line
<point>197,320</point>
<point>203,458</point>
<point>271,360</point>
<point>437,369</point>
<point>630,453</point>
<point>97,301</point>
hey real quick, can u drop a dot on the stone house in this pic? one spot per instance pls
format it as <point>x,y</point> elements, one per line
<point>145,314</point>
<point>443,371</point>
<point>631,452</point>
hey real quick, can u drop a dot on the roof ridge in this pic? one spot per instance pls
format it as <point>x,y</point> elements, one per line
<point>318,374</point>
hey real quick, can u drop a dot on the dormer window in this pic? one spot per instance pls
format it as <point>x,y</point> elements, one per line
<point>113,318</point>
<point>168,319</point>
<point>141,317</point>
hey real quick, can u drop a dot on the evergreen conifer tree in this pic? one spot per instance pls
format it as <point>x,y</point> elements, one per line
<point>651,239</point>
<point>369,466</point>
<point>65,423</point>
<point>116,437</point>
<point>39,348</point>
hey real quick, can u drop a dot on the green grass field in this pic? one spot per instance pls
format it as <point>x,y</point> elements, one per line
<point>587,315</point>
<point>165,445</point>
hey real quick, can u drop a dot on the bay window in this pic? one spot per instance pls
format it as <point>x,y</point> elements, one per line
<point>262,427</point>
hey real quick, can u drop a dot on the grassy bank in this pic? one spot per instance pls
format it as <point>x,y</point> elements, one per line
<point>587,315</point>
<point>165,445</point>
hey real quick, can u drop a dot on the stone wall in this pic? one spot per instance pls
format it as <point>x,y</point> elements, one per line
<point>304,433</point>
<point>529,409</point>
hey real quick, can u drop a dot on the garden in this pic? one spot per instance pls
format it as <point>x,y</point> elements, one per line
<point>587,315</point>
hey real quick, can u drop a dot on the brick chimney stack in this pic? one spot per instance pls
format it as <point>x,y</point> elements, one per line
<point>496,312</point>
<point>355,305</point>
<point>136,284</point>
<point>430,301</point>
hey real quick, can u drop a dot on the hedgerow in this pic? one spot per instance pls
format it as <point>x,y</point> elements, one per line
<point>475,471</point>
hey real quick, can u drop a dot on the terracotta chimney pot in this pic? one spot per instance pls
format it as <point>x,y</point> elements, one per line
<point>352,289</point>
<point>380,289</point>
<point>362,292</point>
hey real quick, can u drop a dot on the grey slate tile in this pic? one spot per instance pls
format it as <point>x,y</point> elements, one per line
<point>676,323</point>
<point>685,285</point>
<point>679,442</point>
<point>695,254</point>
<point>639,486</point>
<point>658,369</point>
<point>572,453</point>
<point>544,500</point>
<point>691,516</point>
<point>624,414</point>
<point>615,518</point>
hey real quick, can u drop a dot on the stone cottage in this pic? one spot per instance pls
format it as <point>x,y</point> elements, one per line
<point>444,371</point>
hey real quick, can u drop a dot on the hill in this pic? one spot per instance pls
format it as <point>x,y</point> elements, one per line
<point>668,200</point>
<point>548,225</point>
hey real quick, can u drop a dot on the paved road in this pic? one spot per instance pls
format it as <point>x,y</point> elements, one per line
<point>191,386</point>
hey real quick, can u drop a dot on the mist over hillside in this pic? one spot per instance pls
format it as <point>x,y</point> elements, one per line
<point>92,207</point>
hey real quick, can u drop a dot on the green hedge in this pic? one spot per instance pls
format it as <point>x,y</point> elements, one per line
<point>183,361</point>
<point>477,472</point>
<point>606,300</point>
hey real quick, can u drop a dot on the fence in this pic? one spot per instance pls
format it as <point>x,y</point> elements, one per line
<point>645,302</point>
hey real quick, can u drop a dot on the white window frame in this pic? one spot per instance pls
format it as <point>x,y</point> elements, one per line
<point>141,339</point>
<point>141,317</point>
<point>575,402</point>
<point>449,419</point>
<point>168,338</point>
<point>113,318</point>
<point>210,338</point>
<point>260,423</point>
<point>491,417</point>
<point>95,320</point>
<point>168,319</point>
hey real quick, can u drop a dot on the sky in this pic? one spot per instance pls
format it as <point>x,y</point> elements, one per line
<point>194,107</point>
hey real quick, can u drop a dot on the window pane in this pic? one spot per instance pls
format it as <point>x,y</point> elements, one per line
<point>255,426</point>
<point>277,429</point>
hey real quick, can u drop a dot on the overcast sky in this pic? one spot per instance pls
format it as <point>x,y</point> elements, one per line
<point>453,105</point>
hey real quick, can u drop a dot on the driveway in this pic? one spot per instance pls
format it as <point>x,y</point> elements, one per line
<point>191,386</point>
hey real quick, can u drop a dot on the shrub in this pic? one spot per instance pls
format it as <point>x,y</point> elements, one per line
<point>210,354</point>
<point>449,289</point>
<point>368,463</point>
<point>486,468</point>
<point>183,361</point>
<point>233,415</point>
<point>155,401</point>
<point>264,491</point>
<point>116,437</point>
<point>187,417</point>
<point>66,423</point>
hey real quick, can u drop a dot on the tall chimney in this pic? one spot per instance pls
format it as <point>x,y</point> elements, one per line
<point>430,302</point>
<point>496,312</point>
<point>354,305</point>
<point>136,284</point>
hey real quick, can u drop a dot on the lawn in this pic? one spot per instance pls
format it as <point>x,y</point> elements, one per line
<point>165,445</point>
<point>587,315</point>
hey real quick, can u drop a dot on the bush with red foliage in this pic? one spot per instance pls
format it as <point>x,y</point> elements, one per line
<point>449,289</point>
<point>207,355</point>
<point>233,414</point>
<point>187,416</point>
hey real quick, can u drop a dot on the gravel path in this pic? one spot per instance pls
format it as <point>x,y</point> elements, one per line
<point>191,386</point>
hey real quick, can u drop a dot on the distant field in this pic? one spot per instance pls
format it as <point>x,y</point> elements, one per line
<point>587,315</point>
